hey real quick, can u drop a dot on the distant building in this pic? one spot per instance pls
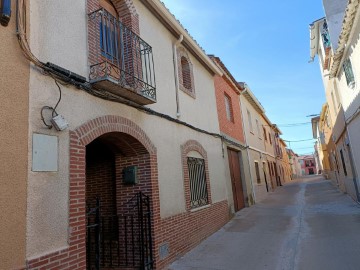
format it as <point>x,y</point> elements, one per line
<point>308,165</point>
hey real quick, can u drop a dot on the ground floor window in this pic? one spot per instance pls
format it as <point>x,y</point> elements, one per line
<point>257,171</point>
<point>197,177</point>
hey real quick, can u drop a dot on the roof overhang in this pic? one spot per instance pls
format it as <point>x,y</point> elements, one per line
<point>252,99</point>
<point>174,26</point>
<point>351,18</point>
<point>314,124</point>
<point>226,73</point>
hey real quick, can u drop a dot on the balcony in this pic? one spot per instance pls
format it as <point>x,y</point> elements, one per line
<point>120,61</point>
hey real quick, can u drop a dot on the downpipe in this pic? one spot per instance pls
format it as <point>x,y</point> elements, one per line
<point>176,72</point>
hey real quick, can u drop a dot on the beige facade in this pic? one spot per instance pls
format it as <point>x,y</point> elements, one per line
<point>14,111</point>
<point>260,138</point>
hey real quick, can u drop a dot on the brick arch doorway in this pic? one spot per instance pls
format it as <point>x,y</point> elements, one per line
<point>100,202</point>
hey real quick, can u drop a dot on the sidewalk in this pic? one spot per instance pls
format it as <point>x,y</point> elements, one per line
<point>306,224</point>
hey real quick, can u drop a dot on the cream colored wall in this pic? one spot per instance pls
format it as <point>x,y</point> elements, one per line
<point>14,111</point>
<point>259,189</point>
<point>48,192</point>
<point>268,147</point>
<point>257,145</point>
<point>161,40</point>
<point>253,138</point>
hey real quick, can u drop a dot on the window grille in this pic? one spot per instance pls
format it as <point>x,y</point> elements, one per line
<point>350,80</point>
<point>197,177</point>
<point>186,73</point>
<point>325,35</point>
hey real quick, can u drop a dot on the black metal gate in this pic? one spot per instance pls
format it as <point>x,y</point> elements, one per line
<point>121,241</point>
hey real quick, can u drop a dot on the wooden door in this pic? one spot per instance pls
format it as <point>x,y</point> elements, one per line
<point>236,182</point>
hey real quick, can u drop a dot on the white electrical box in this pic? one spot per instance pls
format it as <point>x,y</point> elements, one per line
<point>59,122</point>
<point>44,153</point>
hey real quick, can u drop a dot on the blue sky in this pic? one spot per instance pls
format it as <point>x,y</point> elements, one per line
<point>265,44</point>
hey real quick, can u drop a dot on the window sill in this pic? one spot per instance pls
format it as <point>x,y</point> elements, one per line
<point>200,208</point>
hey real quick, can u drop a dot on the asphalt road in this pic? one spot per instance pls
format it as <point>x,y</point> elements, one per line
<point>307,225</point>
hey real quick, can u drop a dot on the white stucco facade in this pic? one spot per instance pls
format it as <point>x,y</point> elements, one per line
<point>48,192</point>
<point>342,97</point>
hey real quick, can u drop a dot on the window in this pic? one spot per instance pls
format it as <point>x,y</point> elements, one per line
<point>343,162</point>
<point>349,75</point>
<point>257,128</point>
<point>270,138</point>
<point>197,177</point>
<point>185,72</point>
<point>265,137</point>
<point>108,32</point>
<point>258,179</point>
<point>228,108</point>
<point>250,121</point>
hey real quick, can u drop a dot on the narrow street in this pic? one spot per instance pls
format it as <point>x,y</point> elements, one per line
<point>307,224</point>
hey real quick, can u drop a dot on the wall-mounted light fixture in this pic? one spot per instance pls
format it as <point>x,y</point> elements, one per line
<point>5,12</point>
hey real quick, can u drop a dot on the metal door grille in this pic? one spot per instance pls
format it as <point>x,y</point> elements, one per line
<point>123,241</point>
<point>197,177</point>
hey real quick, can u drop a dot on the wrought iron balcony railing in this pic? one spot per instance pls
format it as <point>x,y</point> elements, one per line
<point>120,61</point>
<point>325,35</point>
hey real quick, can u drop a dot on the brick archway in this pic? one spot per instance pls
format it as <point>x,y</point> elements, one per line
<point>74,257</point>
<point>126,10</point>
<point>79,139</point>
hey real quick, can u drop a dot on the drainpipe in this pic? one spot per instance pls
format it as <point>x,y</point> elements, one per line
<point>176,72</point>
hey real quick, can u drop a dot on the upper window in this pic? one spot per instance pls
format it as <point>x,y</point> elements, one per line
<point>228,108</point>
<point>198,187</point>
<point>250,121</point>
<point>258,128</point>
<point>349,74</point>
<point>270,138</point>
<point>185,73</point>
<point>265,137</point>
<point>108,32</point>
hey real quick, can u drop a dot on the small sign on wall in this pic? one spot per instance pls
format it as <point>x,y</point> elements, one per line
<point>44,153</point>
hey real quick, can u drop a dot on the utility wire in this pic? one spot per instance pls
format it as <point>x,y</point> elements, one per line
<point>299,140</point>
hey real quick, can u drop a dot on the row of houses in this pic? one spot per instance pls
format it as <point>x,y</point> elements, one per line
<point>123,144</point>
<point>334,39</point>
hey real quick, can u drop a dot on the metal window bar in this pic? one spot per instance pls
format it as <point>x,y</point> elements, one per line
<point>325,35</point>
<point>348,72</point>
<point>117,53</point>
<point>198,187</point>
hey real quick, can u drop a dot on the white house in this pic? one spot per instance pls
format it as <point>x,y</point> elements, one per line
<point>124,141</point>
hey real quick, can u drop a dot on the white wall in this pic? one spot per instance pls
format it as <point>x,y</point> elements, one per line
<point>47,221</point>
